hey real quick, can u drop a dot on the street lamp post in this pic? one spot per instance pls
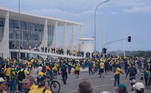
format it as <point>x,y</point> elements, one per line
<point>19,30</point>
<point>101,3</point>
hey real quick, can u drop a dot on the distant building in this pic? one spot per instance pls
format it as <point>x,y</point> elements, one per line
<point>86,45</point>
<point>28,31</point>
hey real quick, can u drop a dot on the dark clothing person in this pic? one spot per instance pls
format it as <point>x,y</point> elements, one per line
<point>64,74</point>
<point>90,65</point>
<point>125,66</point>
<point>132,73</point>
<point>146,75</point>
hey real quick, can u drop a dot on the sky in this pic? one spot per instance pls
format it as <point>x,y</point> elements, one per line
<point>115,19</point>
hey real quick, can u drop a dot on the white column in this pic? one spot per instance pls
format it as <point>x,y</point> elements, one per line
<point>45,38</point>
<point>4,49</point>
<point>72,38</point>
<point>64,37</point>
<point>80,34</point>
<point>54,44</point>
<point>45,35</point>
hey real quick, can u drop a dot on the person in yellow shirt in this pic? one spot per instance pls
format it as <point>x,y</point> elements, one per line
<point>77,69</point>
<point>26,72</point>
<point>28,84</point>
<point>94,65</point>
<point>2,85</point>
<point>41,74</point>
<point>117,76</point>
<point>14,61</point>
<point>29,65</point>
<point>7,72</point>
<point>101,71</point>
<point>55,68</point>
<point>42,88</point>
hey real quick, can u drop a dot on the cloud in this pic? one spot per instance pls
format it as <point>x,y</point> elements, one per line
<point>129,3</point>
<point>139,9</point>
<point>131,6</point>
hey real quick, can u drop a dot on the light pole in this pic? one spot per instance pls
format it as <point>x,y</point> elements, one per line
<point>19,30</point>
<point>101,3</point>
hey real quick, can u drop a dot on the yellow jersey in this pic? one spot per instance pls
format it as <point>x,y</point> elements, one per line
<point>33,87</point>
<point>7,71</point>
<point>117,71</point>
<point>41,74</point>
<point>29,64</point>
<point>39,90</point>
<point>101,65</point>
<point>4,91</point>
<point>94,65</point>
<point>55,68</point>
<point>77,68</point>
<point>32,60</point>
<point>26,72</point>
<point>147,71</point>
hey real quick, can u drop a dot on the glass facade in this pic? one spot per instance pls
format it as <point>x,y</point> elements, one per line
<point>50,34</point>
<point>2,22</point>
<point>26,34</point>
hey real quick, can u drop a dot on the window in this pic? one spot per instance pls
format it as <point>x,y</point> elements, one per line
<point>1,22</point>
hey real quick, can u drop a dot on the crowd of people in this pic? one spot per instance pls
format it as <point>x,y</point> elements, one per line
<point>18,76</point>
<point>61,51</point>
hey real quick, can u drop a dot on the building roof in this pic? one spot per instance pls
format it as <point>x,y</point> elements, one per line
<point>34,18</point>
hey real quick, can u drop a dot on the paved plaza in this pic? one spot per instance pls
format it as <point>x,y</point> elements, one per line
<point>98,84</point>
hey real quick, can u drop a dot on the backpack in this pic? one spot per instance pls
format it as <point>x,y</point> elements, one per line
<point>133,71</point>
<point>21,75</point>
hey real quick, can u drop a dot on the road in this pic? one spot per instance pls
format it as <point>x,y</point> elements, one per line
<point>98,84</point>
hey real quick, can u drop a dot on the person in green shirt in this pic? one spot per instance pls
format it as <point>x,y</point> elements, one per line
<point>13,74</point>
<point>146,74</point>
<point>69,67</point>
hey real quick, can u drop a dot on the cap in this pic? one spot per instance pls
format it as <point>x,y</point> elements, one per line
<point>1,80</point>
<point>139,86</point>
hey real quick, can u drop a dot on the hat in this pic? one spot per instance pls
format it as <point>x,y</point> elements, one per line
<point>1,80</point>
<point>139,86</point>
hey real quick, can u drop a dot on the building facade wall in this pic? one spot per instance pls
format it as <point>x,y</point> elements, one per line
<point>4,42</point>
<point>27,31</point>
<point>28,34</point>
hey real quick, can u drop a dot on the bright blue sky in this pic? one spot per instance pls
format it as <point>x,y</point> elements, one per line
<point>114,19</point>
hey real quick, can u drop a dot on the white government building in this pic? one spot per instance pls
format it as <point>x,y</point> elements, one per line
<point>21,30</point>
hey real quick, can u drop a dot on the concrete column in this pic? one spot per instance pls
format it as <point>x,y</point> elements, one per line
<point>72,38</point>
<point>45,38</point>
<point>4,49</point>
<point>64,37</point>
<point>80,34</point>
<point>45,35</point>
<point>54,44</point>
